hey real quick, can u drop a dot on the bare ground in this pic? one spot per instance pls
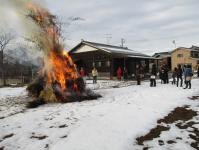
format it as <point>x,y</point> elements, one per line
<point>185,118</point>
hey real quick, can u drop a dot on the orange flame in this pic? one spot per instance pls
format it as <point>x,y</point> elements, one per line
<point>63,69</point>
<point>58,65</point>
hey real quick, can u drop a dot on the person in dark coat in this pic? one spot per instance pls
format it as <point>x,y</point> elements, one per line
<point>161,74</point>
<point>125,72</point>
<point>179,73</point>
<point>188,75</point>
<point>153,76</point>
<point>183,71</point>
<point>198,71</point>
<point>165,76</point>
<point>138,74</point>
<point>174,74</point>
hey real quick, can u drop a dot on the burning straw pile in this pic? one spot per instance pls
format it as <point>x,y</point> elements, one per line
<point>58,79</point>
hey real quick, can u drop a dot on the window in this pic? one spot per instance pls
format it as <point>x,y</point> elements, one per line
<point>195,54</point>
<point>179,55</point>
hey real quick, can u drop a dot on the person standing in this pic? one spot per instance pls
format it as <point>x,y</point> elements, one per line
<point>83,74</point>
<point>125,72</point>
<point>198,70</point>
<point>161,74</point>
<point>94,74</point>
<point>119,73</point>
<point>167,74</point>
<point>174,74</point>
<point>183,71</point>
<point>179,73</point>
<point>188,75</point>
<point>138,74</point>
<point>153,76</point>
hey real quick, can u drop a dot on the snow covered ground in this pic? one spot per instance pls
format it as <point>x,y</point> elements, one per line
<point>112,122</point>
<point>12,92</point>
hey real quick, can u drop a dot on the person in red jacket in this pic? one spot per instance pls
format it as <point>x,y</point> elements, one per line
<point>82,72</point>
<point>119,73</point>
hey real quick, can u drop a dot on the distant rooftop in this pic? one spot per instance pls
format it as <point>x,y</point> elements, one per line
<point>192,48</point>
<point>162,54</point>
<point>195,48</point>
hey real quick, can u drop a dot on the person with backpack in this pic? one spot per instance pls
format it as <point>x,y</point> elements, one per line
<point>188,75</point>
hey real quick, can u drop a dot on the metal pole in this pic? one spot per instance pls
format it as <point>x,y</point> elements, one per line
<point>122,42</point>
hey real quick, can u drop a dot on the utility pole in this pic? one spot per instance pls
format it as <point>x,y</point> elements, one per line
<point>122,42</point>
<point>108,37</point>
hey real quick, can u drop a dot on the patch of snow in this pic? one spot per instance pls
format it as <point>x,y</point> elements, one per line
<point>12,92</point>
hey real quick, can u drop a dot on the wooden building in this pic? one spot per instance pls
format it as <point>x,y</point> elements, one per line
<point>184,56</point>
<point>107,58</point>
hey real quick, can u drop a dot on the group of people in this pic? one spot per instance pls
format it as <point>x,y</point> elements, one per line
<point>177,75</point>
<point>120,73</point>
<point>84,74</point>
<point>139,74</point>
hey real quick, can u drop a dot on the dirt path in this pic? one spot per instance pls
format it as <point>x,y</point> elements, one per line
<point>179,126</point>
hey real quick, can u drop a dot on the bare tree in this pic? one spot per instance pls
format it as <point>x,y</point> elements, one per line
<point>5,39</point>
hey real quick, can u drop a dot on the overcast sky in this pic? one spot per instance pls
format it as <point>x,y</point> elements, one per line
<point>146,25</point>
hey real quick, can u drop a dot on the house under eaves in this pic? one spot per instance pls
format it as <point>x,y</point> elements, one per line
<point>107,58</point>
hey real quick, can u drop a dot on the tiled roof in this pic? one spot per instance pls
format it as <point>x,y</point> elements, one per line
<point>116,49</point>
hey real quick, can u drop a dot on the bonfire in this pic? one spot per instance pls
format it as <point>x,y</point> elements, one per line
<point>58,80</point>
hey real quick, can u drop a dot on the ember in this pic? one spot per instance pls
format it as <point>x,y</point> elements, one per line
<point>58,79</point>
